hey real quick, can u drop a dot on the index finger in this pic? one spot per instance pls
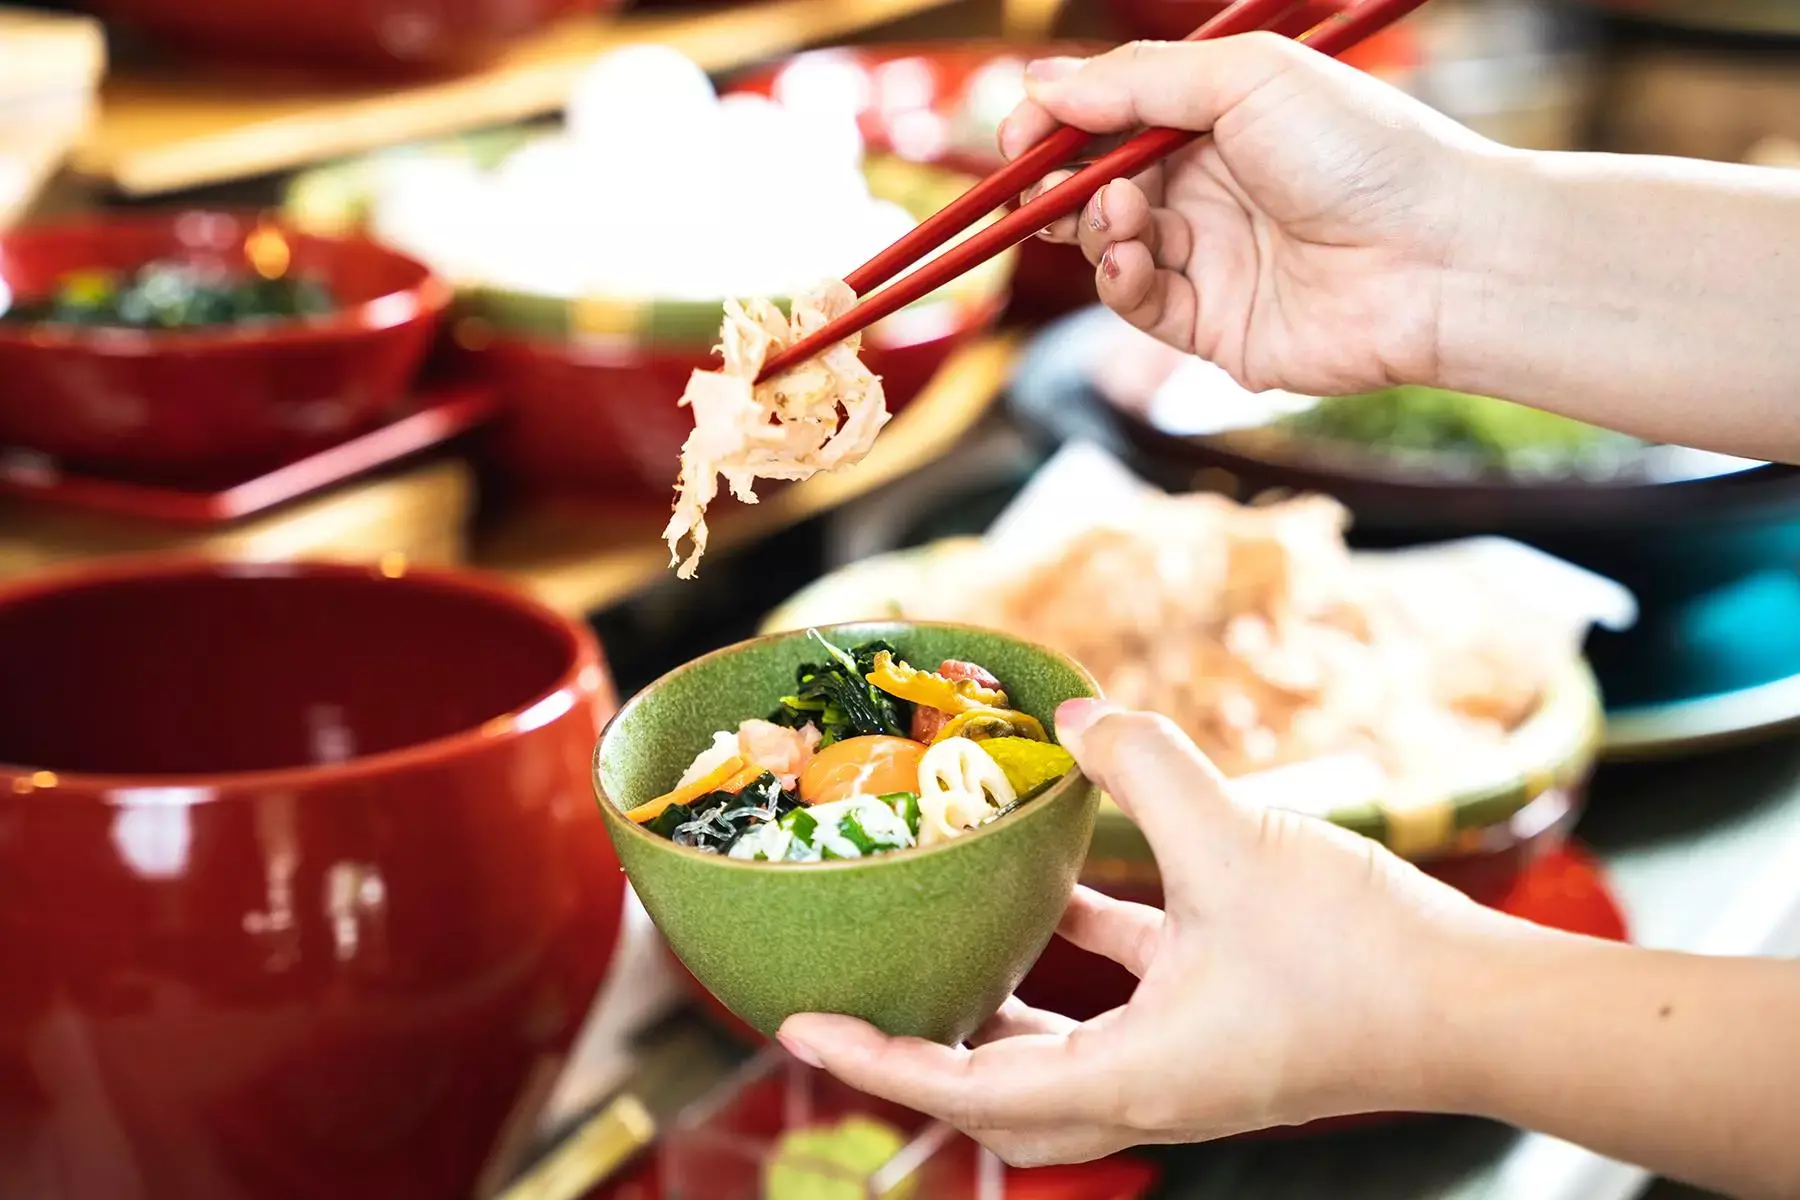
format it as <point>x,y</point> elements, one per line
<point>1183,85</point>
<point>1009,1084</point>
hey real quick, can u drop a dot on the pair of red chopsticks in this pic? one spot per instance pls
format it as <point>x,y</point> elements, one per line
<point>1361,19</point>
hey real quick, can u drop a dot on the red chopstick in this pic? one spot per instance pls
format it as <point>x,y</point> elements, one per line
<point>1338,33</point>
<point>1053,151</point>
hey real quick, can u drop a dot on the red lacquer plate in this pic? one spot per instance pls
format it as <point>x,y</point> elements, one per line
<point>220,496</point>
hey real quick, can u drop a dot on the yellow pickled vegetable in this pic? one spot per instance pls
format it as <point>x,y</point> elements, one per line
<point>1027,764</point>
<point>981,724</point>
<point>931,689</point>
<point>802,1167</point>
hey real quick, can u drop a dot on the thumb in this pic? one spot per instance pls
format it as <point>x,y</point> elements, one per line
<point>1195,827</point>
<point>1183,85</point>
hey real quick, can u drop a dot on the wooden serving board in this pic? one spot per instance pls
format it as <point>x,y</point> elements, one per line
<point>582,561</point>
<point>418,515</point>
<point>177,127</point>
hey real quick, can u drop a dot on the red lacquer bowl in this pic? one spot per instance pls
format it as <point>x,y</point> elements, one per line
<point>598,420</point>
<point>235,397</point>
<point>430,35</point>
<point>302,889</point>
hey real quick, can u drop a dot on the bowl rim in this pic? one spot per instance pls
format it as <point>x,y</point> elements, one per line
<point>1554,746</point>
<point>426,299</point>
<point>616,816</point>
<point>969,316</point>
<point>584,675</point>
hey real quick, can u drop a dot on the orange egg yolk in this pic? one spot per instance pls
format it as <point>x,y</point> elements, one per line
<point>862,766</point>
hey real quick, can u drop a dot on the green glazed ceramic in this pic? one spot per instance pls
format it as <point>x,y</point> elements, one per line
<point>921,943</point>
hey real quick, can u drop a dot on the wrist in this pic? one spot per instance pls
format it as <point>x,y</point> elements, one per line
<point>1412,1036</point>
<point>1511,242</point>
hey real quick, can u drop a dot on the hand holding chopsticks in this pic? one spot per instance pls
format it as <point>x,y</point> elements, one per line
<point>1339,33</point>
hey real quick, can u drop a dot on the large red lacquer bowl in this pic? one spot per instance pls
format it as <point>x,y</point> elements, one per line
<point>302,891</point>
<point>239,396</point>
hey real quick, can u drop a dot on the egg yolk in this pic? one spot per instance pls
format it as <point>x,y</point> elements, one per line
<point>862,766</point>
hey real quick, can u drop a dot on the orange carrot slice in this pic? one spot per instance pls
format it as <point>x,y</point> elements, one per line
<point>712,781</point>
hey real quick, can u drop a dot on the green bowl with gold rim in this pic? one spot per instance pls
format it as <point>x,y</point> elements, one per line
<point>1552,750</point>
<point>925,942</point>
<point>337,198</point>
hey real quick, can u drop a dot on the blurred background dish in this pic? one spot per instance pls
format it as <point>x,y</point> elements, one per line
<point>940,103</point>
<point>358,35</point>
<point>302,895</point>
<point>1704,541</point>
<point>589,338</point>
<point>224,375</point>
<point>1766,17</point>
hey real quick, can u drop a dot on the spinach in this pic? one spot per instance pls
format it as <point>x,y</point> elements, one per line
<point>837,696</point>
<point>715,822</point>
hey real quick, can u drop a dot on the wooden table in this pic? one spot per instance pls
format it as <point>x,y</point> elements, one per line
<point>580,561</point>
<point>177,127</point>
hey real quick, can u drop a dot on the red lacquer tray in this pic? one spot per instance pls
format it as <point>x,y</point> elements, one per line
<point>438,415</point>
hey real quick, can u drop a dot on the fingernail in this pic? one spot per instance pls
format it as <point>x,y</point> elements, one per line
<point>1000,138</point>
<point>1097,212</point>
<point>1109,265</point>
<point>800,1050</point>
<point>1076,717</point>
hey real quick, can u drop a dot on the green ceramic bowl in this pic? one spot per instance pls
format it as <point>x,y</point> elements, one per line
<point>920,943</point>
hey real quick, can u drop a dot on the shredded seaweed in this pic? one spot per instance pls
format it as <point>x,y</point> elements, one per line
<point>715,822</point>
<point>837,697</point>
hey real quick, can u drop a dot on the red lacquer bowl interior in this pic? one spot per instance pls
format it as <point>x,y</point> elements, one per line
<point>302,888</point>
<point>367,35</point>
<point>244,396</point>
<point>602,420</point>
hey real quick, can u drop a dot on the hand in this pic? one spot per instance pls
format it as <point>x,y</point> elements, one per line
<point>1304,245</point>
<point>1290,978</point>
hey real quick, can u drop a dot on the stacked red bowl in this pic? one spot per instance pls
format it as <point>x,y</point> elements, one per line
<point>205,398</point>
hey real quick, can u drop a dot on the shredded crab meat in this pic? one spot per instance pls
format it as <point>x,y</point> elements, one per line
<point>823,414</point>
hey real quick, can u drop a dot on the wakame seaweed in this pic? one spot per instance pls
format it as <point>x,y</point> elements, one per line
<point>837,696</point>
<point>715,821</point>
